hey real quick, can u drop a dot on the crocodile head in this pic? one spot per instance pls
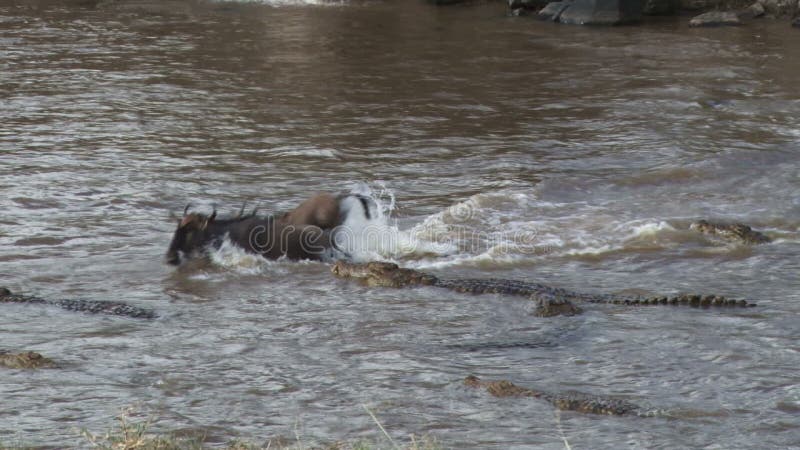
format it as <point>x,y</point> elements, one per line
<point>733,231</point>
<point>384,274</point>
<point>25,360</point>
<point>556,307</point>
<point>500,388</point>
<point>355,270</point>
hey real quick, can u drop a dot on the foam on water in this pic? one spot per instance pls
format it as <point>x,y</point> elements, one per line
<point>513,226</point>
<point>485,228</point>
<point>650,229</point>
<point>231,256</point>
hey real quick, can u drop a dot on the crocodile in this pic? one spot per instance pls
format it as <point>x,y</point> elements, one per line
<point>731,231</point>
<point>551,301</point>
<point>391,275</point>
<point>566,401</point>
<point>24,360</point>
<point>79,305</point>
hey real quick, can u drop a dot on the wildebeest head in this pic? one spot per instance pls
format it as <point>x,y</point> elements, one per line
<point>190,236</point>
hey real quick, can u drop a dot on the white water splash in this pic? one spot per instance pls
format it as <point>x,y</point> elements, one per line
<point>650,228</point>
<point>231,256</point>
<point>379,237</point>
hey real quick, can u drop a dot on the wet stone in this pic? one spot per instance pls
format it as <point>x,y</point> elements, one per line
<point>553,11</point>
<point>715,19</point>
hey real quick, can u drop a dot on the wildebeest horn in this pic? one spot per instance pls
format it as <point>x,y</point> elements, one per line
<point>185,210</point>
<point>241,211</point>
<point>209,219</point>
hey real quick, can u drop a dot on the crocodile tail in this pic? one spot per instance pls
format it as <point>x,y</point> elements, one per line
<point>104,307</point>
<point>90,306</point>
<point>694,300</point>
<point>6,296</point>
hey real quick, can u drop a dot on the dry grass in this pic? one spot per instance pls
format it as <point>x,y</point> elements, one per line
<point>130,435</point>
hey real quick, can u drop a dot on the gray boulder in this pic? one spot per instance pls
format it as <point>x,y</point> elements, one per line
<point>715,19</point>
<point>659,7</point>
<point>752,11</point>
<point>697,5</point>
<point>778,8</point>
<point>602,12</point>
<point>527,4</point>
<point>553,11</point>
<point>448,2</point>
<point>525,7</point>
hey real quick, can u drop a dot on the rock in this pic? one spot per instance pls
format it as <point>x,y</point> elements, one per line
<point>796,23</point>
<point>696,5</point>
<point>777,8</point>
<point>553,11</point>
<point>527,4</point>
<point>525,7</point>
<point>752,11</point>
<point>715,19</point>
<point>602,12</point>
<point>658,7</point>
<point>769,5</point>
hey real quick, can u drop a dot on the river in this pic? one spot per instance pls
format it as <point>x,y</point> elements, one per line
<point>496,147</point>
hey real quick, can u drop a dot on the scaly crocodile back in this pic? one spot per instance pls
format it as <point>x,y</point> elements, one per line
<point>88,306</point>
<point>542,292</point>
<point>557,300</point>
<point>567,401</point>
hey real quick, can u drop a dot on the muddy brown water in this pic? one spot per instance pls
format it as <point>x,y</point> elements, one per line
<point>497,146</point>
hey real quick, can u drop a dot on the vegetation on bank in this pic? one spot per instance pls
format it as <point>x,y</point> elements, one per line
<point>136,435</point>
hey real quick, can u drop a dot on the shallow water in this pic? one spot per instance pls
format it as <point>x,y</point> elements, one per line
<point>497,146</point>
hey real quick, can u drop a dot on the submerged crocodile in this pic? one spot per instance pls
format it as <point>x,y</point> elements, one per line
<point>567,401</point>
<point>88,306</point>
<point>551,301</point>
<point>24,360</point>
<point>731,231</point>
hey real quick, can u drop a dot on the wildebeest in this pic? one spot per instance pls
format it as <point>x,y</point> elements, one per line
<point>303,233</point>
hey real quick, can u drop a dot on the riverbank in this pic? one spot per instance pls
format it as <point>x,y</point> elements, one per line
<point>703,13</point>
<point>138,434</point>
